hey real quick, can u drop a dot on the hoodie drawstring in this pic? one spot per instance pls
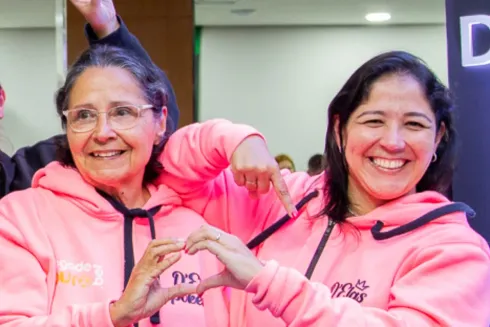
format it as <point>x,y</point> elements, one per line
<point>265,234</point>
<point>447,209</point>
<point>129,215</point>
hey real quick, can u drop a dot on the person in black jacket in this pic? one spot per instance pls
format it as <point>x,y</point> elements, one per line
<point>103,27</point>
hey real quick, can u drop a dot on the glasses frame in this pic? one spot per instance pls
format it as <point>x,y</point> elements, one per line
<point>140,109</point>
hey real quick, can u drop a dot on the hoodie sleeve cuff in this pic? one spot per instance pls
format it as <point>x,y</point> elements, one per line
<point>113,38</point>
<point>260,285</point>
<point>99,314</point>
<point>237,134</point>
<point>283,291</point>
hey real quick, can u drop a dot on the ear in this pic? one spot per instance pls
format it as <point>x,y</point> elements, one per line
<point>161,125</point>
<point>440,134</point>
<point>337,131</point>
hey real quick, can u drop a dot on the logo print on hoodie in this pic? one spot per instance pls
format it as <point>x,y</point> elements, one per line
<point>80,274</point>
<point>353,291</point>
<point>192,278</point>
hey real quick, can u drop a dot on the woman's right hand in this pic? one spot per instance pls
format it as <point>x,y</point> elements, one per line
<point>255,168</point>
<point>143,295</point>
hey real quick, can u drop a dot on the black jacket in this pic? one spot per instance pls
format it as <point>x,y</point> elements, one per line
<point>16,173</point>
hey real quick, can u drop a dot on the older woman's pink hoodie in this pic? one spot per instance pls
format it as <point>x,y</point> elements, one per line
<point>62,256</point>
<point>388,268</point>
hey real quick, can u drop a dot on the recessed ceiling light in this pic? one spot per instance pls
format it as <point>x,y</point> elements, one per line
<point>242,12</point>
<point>376,17</point>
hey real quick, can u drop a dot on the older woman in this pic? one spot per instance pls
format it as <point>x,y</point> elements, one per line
<point>104,28</point>
<point>93,242</point>
<point>374,242</point>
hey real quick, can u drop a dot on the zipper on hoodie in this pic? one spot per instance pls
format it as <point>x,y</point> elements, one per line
<point>265,234</point>
<point>319,249</point>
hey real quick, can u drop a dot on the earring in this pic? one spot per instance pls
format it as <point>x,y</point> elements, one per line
<point>160,138</point>
<point>434,157</point>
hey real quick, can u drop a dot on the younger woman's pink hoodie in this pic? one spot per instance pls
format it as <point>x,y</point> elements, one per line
<point>412,262</point>
<point>62,251</point>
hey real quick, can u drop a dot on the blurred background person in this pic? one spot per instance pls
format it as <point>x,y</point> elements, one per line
<point>285,162</point>
<point>316,164</point>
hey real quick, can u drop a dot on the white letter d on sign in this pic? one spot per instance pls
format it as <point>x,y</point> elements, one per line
<point>466,28</point>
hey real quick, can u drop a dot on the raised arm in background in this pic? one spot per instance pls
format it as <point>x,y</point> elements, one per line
<point>103,27</point>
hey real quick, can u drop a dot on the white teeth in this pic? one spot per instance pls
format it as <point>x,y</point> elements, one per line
<point>107,154</point>
<point>388,164</point>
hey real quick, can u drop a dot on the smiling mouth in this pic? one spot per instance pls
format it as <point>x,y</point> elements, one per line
<point>107,154</point>
<point>387,164</point>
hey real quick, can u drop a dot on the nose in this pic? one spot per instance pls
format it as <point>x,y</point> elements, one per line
<point>103,130</point>
<point>392,139</point>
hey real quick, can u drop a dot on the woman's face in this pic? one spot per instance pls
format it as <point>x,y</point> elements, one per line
<point>107,156</point>
<point>390,139</point>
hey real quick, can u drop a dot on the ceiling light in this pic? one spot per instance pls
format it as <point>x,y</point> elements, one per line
<point>242,12</point>
<point>376,17</point>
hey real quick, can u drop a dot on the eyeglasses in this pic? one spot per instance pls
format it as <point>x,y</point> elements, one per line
<point>82,120</point>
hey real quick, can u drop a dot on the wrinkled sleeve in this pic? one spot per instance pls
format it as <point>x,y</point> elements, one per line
<point>196,161</point>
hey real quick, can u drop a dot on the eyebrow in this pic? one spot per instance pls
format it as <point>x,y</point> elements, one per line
<point>91,106</point>
<point>84,106</point>
<point>408,114</point>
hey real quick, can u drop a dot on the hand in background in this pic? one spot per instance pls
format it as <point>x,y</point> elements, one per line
<point>100,14</point>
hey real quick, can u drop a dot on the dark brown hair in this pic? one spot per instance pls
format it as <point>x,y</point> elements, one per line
<point>439,174</point>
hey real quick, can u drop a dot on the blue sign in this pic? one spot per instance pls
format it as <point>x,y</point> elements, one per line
<point>468,36</point>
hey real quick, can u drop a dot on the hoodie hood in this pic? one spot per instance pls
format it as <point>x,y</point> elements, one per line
<point>67,182</point>
<point>398,216</point>
<point>411,207</point>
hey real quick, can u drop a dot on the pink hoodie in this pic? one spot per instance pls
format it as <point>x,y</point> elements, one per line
<point>436,273</point>
<point>62,256</point>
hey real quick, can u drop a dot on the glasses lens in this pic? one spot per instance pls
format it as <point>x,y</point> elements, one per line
<point>123,117</point>
<point>82,119</point>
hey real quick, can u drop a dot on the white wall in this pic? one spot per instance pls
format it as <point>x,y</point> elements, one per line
<point>281,79</point>
<point>28,73</point>
<point>28,13</point>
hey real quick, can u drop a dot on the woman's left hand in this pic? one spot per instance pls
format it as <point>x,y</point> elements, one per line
<point>241,264</point>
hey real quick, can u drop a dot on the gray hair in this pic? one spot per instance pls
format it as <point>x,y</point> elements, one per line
<point>149,80</point>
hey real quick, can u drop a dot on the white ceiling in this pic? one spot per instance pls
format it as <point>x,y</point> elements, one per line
<point>42,13</point>
<point>317,12</point>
